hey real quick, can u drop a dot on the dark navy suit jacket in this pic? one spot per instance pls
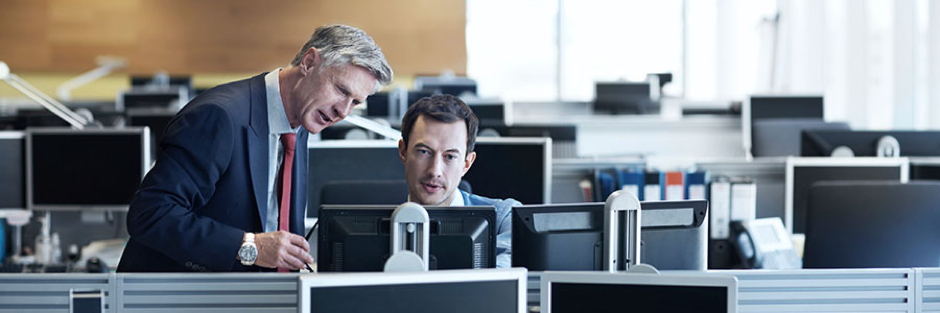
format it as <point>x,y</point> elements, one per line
<point>209,185</point>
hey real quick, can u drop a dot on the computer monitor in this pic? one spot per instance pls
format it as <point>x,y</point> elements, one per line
<point>868,224</point>
<point>564,137</point>
<point>379,104</point>
<point>156,120</point>
<point>355,238</point>
<point>457,86</point>
<point>457,291</point>
<point>413,96</point>
<point>925,169</point>
<point>782,137</point>
<point>336,161</point>
<point>802,173</point>
<point>564,292</point>
<point>89,169</point>
<point>763,107</point>
<point>12,170</point>
<point>625,98</point>
<point>27,118</point>
<point>821,142</point>
<point>171,98</point>
<point>563,237</point>
<point>153,80</point>
<point>490,112</point>
<point>518,168</point>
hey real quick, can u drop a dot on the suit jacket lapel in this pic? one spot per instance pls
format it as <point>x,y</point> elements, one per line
<point>257,133</point>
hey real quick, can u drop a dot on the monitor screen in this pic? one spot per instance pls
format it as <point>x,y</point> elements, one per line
<point>558,133</point>
<point>865,143</point>
<point>782,137</point>
<point>518,168</point>
<point>378,104</point>
<point>355,238</point>
<point>85,169</point>
<point>456,86</point>
<point>157,121</point>
<point>762,107</point>
<point>802,173</point>
<point>642,293</point>
<point>623,97</point>
<point>489,113</point>
<point>564,137</point>
<point>340,161</point>
<point>414,96</point>
<point>458,291</point>
<point>873,225</point>
<point>149,80</point>
<point>12,170</point>
<point>570,236</point>
<point>781,106</point>
<point>169,98</point>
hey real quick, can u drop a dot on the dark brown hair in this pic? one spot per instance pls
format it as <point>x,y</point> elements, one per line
<point>443,108</point>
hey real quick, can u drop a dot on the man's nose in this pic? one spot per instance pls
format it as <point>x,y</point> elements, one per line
<point>342,110</point>
<point>437,166</point>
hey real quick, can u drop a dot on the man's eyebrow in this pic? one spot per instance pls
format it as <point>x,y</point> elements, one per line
<point>348,92</point>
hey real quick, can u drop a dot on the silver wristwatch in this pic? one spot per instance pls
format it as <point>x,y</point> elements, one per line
<point>248,252</point>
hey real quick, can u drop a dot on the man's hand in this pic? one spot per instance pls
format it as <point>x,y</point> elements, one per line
<point>282,249</point>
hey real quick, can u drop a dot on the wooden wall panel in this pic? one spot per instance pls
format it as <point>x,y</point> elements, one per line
<point>187,36</point>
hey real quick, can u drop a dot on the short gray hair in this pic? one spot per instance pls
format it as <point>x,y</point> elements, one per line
<point>342,44</point>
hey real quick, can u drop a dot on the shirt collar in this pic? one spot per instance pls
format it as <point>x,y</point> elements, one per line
<point>277,117</point>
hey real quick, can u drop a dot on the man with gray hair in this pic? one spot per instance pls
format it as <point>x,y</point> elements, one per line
<point>228,192</point>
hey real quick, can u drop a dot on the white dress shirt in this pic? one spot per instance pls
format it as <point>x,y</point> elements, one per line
<point>277,125</point>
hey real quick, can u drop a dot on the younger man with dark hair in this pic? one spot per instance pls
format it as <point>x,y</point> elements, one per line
<point>438,135</point>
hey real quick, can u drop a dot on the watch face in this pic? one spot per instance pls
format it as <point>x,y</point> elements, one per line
<point>248,253</point>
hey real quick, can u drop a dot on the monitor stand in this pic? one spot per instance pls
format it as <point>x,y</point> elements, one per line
<point>410,239</point>
<point>622,231</point>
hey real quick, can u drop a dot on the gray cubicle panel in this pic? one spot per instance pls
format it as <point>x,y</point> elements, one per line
<point>206,292</point>
<point>927,290</point>
<point>830,290</point>
<point>153,292</point>
<point>28,293</point>
<point>12,174</point>
<point>567,175</point>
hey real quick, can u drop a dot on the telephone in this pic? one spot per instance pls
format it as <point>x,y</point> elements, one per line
<point>764,243</point>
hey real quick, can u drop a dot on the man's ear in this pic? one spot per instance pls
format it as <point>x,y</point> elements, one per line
<point>472,156</point>
<point>309,61</point>
<point>402,149</point>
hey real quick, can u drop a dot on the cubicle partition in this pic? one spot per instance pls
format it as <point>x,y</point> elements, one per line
<point>805,290</point>
<point>826,290</point>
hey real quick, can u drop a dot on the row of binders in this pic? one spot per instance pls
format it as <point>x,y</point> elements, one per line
<point>730,198</point>
<point>649,185</point>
